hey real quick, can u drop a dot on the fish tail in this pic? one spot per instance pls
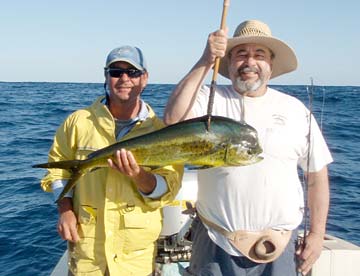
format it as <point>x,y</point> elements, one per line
<point>70,184</point>
<point>74,166</point>
<point>67,165</point>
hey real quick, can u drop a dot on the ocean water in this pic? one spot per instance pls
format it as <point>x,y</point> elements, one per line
<point>31,112</point>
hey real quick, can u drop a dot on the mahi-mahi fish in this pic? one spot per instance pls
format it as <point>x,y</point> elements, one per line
<point>190,142</point>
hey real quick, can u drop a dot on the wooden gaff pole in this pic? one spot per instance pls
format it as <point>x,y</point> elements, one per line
<point>216,66</point>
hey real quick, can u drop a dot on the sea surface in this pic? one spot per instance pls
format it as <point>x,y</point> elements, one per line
<point>30,113</point>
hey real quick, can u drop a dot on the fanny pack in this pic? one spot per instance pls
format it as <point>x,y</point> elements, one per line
<point>259,246</point>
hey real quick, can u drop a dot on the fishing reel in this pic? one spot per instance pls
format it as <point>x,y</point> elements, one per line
<point>175,243</point>
<point>177,247</point>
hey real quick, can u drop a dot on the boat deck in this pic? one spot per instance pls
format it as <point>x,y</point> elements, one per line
<point>338,258</point>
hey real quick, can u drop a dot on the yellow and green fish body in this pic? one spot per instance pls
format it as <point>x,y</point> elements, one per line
<point>226,143</point>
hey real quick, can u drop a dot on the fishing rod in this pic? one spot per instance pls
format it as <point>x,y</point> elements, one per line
<point>306,210</point>
<point>216,67</point>
<point>302,242</point>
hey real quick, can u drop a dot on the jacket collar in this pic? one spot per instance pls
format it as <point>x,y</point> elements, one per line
<point>107,121</point>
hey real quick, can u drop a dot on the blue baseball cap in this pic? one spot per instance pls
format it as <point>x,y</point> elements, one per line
<point>129,54</point>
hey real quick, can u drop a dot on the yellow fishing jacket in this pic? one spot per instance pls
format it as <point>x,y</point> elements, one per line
<point>118,227</point>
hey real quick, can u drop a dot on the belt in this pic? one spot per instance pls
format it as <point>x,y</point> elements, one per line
<point>259,246</point>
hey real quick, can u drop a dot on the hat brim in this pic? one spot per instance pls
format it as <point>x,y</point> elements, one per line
<point>131,62</point>
<point>284,56</point>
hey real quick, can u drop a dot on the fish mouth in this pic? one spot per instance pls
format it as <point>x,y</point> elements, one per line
<point>246,161</point>
<point>255,151</point>
<point>243,155</point>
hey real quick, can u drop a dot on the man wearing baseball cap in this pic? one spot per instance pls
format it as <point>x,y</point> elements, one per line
<point>248,216</point>
<point>112,218</point>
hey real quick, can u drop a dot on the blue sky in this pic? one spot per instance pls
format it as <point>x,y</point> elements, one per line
<point>68,41</point>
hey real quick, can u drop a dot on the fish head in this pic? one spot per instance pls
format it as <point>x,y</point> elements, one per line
<point>244,149</point>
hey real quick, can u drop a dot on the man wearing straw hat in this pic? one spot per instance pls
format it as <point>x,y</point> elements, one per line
<point>248,216</point>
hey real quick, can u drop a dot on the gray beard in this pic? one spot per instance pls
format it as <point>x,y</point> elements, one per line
<point>245,86</point>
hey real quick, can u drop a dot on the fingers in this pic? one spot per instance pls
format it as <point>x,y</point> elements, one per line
<point>306,263</point>
<point>125,163</point>
<point>133,166</point>
<point>74,234</point>
<point>111,164</point>
<point>310,254</point>
<point>67,227</point>
<point>216,45</point>
<point>68,234</point>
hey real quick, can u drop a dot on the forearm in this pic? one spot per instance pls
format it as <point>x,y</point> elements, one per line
<point>64,205</point>
<point>145,181</point>
<point>182,99</point>
<point>318,200</point>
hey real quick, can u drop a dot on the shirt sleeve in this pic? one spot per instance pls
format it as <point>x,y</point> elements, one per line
<point>320,155</point>
<point>58,186</point>
<point>160,188</point>
<point>199,107</point>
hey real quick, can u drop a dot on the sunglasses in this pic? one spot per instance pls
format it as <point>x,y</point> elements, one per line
<point>118,72</point>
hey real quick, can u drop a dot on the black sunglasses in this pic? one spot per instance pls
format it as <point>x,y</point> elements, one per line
<point>118,72</point>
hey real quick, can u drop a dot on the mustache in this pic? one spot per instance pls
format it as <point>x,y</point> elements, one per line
<point>248,69</point>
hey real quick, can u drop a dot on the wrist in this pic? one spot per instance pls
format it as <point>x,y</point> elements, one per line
<point>145,182</point>
<point>65,204</point>
<point>206,62</point>
<point>317,233</point>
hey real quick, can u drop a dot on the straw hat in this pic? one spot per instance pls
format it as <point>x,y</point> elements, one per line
<point>255,31</point>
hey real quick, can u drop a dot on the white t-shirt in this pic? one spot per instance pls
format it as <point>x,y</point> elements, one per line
<point>267,194</point>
